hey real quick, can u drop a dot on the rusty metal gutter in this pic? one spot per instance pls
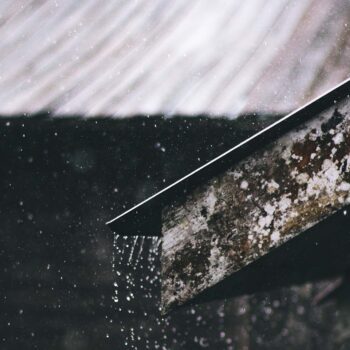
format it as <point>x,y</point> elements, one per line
<point>249,200</point>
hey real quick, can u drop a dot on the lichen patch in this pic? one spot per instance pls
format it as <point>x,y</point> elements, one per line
<point>262,202</point>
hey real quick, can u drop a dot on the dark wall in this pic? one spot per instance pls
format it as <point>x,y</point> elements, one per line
<point>61,180</point>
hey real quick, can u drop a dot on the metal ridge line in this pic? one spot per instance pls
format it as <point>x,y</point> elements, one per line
<point>235,148</point>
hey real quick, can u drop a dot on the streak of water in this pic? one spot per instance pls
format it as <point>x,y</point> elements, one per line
<point>141,248</point>
<point>137,285</point>
<point>133,245</point>
<point>137,290</point>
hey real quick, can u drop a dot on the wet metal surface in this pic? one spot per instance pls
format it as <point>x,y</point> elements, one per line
<point>263,201</point>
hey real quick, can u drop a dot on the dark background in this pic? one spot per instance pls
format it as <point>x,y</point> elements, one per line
<point>61,180</point>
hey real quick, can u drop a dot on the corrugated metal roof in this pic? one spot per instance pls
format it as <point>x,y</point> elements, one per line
<point>128,57</point>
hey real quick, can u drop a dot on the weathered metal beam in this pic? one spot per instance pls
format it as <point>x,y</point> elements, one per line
<point>145,217</point>
<point>249,200</point>
<point>258,204</point>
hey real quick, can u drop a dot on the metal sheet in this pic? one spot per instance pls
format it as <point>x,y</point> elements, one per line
<point>123,58</point>
<point>261,202</point>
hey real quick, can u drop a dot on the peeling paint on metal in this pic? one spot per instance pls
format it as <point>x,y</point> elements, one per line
<point>262,202</point>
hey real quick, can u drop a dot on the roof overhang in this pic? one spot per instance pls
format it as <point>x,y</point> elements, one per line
<point>254,197</point>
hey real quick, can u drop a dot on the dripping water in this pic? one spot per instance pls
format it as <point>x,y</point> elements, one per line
<point>136,266</point>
